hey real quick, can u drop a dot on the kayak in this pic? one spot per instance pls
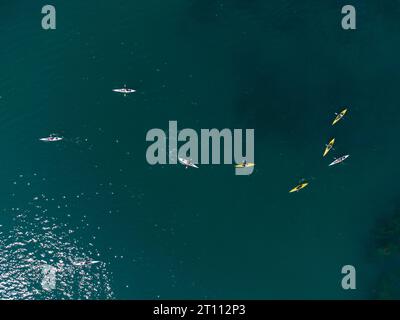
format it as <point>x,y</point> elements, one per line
<point>247,165</point>
<point>299,187</point>
<point>329,147</point>
<point>124,90</point>
<point>187,163</point>
<point>84,263</point>
<point>339,117</point>
<point>51,139</point>
<point>339,160</point>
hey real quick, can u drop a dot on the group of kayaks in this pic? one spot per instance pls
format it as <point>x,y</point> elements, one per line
<point>189,163</point>
<point>328,148</point>
<point>54,138</point>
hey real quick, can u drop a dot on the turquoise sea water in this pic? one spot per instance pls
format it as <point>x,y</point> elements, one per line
<point>281,67</point>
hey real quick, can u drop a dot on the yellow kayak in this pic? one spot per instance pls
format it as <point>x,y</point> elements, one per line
<point>299,187</point>
<point>339,117</point>
<point>247,165</point>
<point>329,146</point>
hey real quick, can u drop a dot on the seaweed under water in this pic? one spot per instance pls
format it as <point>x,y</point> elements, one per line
<point>387,248</point>
<point>387,236</point>
<point>389,286</point>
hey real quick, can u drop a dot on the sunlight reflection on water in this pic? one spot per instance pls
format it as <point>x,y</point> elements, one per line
<point>37,262</point>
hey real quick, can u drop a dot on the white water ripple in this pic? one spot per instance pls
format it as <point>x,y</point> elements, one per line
<point>36,262</point>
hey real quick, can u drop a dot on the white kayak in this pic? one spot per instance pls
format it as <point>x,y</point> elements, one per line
<point>339,160</point>
<point>187,163</point>
<point>124,90</point>
<point>84,263</point>
<point>51,139</point>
